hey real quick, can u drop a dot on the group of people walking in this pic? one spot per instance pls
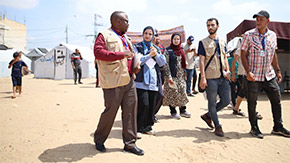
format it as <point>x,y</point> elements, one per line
<point>142,77</point>
<point>132,76</point>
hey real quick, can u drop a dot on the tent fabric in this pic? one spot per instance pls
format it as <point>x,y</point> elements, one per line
<point>5,57</point>
<point>43,50</point>
<point>34,53</point>
<point>56,64</point>
<point>280,28</point>
<point>165,35</point>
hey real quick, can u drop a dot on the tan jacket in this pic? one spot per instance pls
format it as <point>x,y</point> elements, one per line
<point>113,74</point>
<point>213,70</point>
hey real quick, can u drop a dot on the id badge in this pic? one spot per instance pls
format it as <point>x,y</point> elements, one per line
<point>262,53</point>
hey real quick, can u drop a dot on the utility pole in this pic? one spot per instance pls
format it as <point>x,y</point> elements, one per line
<point>66,31</point>
<point>96,24</point>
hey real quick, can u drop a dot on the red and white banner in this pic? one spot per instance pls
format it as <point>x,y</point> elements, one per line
<point>165,35</point>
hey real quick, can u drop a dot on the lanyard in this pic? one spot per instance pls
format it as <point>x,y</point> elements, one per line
<point>146,50</point>
<point>263,41</point>
<point>123,40</point>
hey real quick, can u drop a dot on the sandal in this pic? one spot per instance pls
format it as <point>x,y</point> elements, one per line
<point>238,113</point>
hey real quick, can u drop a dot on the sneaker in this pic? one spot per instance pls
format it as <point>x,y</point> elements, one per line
<point>219,131</point>
<point>80,82</point>
<point>175,116</point>
<point>139,135</point>
<point>151,132</point>
<point>190,94</point>
<point>231,105</point>
<point>281,131</point>
<point>256,132</point>
<point>185,114</point>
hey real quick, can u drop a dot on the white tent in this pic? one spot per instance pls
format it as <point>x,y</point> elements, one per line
<point>5,57</point>
<point>56,64</point>
<point>34,54</point>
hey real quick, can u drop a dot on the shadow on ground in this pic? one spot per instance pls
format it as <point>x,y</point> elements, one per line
<point>71,152</point>
<point>202,135</point>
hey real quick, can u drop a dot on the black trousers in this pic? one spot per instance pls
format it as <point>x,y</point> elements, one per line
<point>146,106</point>
<point>182,109</point>
<point>194,78</point>
<point>273,92</point>
<point>159,99</point>
<point>234,91</point>
<point>77,70</point>
<point>243,83</point>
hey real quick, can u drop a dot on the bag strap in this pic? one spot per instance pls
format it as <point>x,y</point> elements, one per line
<point>217,45</point>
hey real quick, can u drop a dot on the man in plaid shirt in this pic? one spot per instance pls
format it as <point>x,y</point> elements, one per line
<point>260,62</point>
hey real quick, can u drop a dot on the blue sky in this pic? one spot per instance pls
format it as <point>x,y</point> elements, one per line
<point>46,20</point>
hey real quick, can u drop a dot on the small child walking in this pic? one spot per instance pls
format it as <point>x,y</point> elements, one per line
<point>16,74</point>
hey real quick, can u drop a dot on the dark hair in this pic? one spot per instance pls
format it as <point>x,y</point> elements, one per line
<point>16,54</point>
<point>115,15</point>
<point>211,19</point>
<point>174,34</point>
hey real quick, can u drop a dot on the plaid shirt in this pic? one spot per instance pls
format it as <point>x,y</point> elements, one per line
<point>260,66</point>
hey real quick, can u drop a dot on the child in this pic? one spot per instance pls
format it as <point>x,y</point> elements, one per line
<point>16,75</point>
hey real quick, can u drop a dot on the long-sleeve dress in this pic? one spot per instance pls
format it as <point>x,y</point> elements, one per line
<point>172,96</point>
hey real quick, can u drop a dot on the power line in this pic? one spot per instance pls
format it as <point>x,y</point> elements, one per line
<point>48,29</point>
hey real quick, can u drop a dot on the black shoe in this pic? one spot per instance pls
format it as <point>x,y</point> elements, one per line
<point>256,132</point>
<point>281,131</point>
<point>238,113</point>
<point>75,83</point>
<point>259,116</point>
<point>194,92</point>
<point>190,94</point>
<point>80,82</point>
<point>134,150</point>
<point>100,147</point>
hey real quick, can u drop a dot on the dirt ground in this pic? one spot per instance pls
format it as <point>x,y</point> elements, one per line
<point>54,121</point>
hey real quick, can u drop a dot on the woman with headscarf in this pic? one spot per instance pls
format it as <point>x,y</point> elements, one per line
<point>175,85</point>
<point>147,81</point>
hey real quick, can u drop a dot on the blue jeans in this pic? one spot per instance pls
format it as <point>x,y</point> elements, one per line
<point>216,87</point>
<point>189,74</point>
